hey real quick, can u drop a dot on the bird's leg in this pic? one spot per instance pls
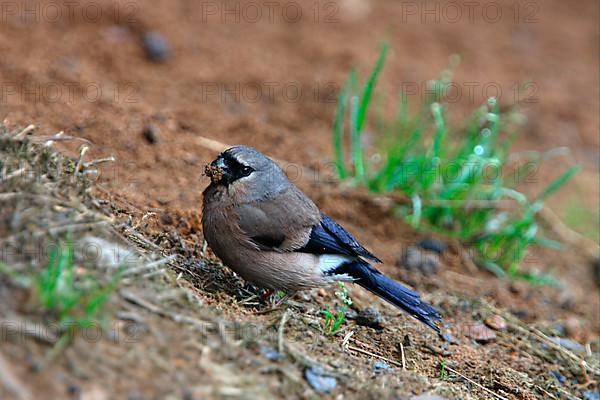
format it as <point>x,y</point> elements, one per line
<point>281,297</point>
<point>266,296</point>
<point>275,298</point>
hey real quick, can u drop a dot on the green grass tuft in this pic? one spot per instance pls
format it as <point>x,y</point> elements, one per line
<point>456,177</point>
<point>333,322</point>
<point>71,298</point>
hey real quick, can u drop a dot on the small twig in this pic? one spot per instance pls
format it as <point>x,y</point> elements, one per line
<point>139,239</point>
<point>77,226</point>
<point>568,235</point>
<point>309,362</point>
<point>545,392</point>
<point>284,318</point>
<point>220,147</point>
<point>24,132</point>
<point>143,220</point>
<point>149,266</point>
<point>476,384</point>
<point>346,339</point>
<point>179,318</point>
<point>211,144</point>
<point>359,350</point>
<point>563,391</point>
<point>152,274</point>
<point>403,357</point>
<point>248,300</point>
<point>11,382</point>
<point>93,163</point>
<point>55,351</point>
<point>346,346</point>
<point>14,174</point>
<point>49,141</point>
<point>541,337</point>
<point>84,149</point>
<point>47,199</point>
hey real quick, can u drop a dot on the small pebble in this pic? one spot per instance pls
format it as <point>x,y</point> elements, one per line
<point>448,337</point>
<point>320,382</point>
<point>569,344</point>
<point>428,396</point>
<point>496,322</point>
<point>151,133</point>
<point>369,317</point>
<point>573,327</point>
<point>166,219</point>
<point>134,395</point>
<point>591,395</point>
<point>521,314</point>
<point>560,328</point>
<point>480,332</point>
<point>350,313</point>
<point>434,245</point>
<point>559,377</point>
<point>380,366</point>
<point>156,46</point>
<point>567,302</point>
<point>73,390</point>
<point>415,260</point>
<point>270,353</point>
<point>519,287</point>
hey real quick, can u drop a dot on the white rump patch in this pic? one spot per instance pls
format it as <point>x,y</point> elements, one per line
<point>329,262</point>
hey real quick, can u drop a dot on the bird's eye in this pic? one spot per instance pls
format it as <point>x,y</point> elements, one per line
<point>246,170</point>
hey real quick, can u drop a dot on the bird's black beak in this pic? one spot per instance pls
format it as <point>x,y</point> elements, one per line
<point>218,171</point>
<point>219,163</point>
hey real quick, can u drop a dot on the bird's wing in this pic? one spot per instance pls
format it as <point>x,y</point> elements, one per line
<point>280,224</point>
<point>291,222</point>
<point>328,237</point>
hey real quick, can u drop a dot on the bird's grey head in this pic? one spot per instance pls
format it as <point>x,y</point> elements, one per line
<point>246,169</point>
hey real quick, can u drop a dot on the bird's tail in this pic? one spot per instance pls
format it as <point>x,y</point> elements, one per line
<point>402,297</point>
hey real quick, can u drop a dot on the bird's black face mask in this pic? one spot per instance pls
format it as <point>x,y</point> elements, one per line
<point>226,169</point>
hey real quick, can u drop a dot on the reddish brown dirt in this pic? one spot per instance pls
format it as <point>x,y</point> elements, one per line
<point>557,51</point>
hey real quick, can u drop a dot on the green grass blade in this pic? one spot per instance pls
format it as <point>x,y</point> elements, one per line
<point>417,205</point>
<point>338,126</point>
<point>559,182</point>
<point>368,89</point>
<point>355,141</point>
<point>440,129</point>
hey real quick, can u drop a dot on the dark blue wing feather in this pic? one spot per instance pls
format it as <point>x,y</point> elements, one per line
<point>328,237</point>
